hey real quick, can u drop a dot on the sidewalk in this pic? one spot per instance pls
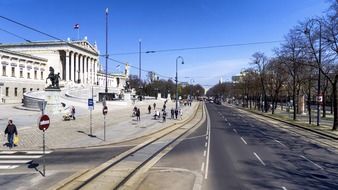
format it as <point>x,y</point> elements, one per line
<point>120,126</point>
<point>325,127</point>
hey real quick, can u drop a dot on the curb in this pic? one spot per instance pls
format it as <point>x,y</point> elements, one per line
<point>293,124</point>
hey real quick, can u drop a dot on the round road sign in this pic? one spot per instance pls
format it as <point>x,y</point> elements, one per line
<point>105,110</point>
<point>44,122</point>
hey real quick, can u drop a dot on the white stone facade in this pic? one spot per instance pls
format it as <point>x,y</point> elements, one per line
<point>20,73</point>
<point>76,61</point>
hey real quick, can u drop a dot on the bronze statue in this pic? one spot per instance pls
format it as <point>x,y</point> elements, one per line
<point>54,79</point>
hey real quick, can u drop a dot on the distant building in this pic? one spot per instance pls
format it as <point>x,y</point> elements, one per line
<point>25,66</point>
<point>76,61</point>
<point>20,73</point>
<point>236,78</point>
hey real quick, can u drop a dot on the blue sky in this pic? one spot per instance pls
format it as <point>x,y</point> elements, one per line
<point>166,24</point>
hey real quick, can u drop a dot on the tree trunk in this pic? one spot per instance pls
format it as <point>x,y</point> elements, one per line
<point>324,104</point>
<point>309,105</point>
<point>335,106</point>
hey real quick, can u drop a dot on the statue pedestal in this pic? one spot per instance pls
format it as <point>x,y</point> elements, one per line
<point>169,97</point>
<point>127,96</point>
<point>158,96</point>
<point>52,96</point>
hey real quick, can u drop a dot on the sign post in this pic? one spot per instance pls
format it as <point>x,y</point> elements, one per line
<point>43,125</point>
<point>91,107</point>
<point>104,111</point>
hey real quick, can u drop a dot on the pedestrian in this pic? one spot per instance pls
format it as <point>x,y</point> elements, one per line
<point>154,105</point>
<point>10,131</point>
<point>73,112</point>
<point>158,114</point>
<point>149,109</point>
<point>164,115</point>
<point>176,113</point>
<point>172,113</point>
<point>181,113</point>
<point>138,114</point>
<point>164,106</point>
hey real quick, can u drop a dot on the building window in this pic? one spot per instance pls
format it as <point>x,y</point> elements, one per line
<point>7,91</point>
<point>23,90</point>
<point>31,89</point>
<point>41,75</point>
<point>21,74</point>
<point>35,74</point>
<point>28,75</point>
<point>13,71</point>
<point>15,91</point>
<point>3,70</point>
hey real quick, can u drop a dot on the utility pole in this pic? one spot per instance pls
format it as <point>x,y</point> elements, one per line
<point>106,89</point>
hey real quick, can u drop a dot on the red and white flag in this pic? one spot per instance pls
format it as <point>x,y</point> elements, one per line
<point>76,26</point>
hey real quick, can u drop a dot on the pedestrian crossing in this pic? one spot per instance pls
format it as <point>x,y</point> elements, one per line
<point>14,159</point>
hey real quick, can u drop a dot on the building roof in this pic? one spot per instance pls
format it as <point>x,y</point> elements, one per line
<point>81,44</point>
<point>22,54</point>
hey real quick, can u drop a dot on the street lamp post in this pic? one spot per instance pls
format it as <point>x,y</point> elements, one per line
<point>106,88</point>
<point>179,57</point>
<point>319,65</point>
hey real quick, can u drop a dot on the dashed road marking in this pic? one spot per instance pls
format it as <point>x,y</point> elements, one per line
<point>206,144</point>
<point>280,143</point>
<point>202,167</point>
<point>312,162</point>
<point>284,188</point>
<point>204,153</point>
<point>235,130</point>
<point>243,140</point>
<point>259,158</point>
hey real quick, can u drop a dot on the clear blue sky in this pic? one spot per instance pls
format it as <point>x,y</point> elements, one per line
<point>165,24</point>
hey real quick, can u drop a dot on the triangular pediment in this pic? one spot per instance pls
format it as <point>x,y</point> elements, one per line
<point>85,44</point>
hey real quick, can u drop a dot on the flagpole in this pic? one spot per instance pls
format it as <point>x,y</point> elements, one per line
<point>106,89</point>
<point>78,33</point>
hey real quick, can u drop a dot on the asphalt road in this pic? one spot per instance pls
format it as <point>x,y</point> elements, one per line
<point>59,165</point>
<point>242,152</point>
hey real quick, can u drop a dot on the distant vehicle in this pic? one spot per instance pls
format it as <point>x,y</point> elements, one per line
<point>211,101</point>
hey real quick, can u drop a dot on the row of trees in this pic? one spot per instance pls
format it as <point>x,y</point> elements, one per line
<point>305,64</point>
<point>152,87</point>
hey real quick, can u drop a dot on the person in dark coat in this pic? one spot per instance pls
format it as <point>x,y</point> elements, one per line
<point>73,112</point>
<point>138,114</point>
<point>10,131</point>
<point>149,109</point>
<point>176,113</point>
<point>172,111</point>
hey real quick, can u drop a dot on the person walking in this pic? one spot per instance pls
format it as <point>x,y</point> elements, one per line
<point>164,115</point>
<point>10,131</point>
<point>154,105</point>
<point>176,113</point>
<point>138,114</point>
<point>181,114</point>
<point>73,112</point>
<point>172,111</point>
<point>149,109</point>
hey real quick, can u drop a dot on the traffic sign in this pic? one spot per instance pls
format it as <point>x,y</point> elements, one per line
<point>105,110</point>
<point>44,122</point>
<point>90,103</point>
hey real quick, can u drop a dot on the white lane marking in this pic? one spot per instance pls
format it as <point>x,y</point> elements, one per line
<point>229,124</point>
<point>2,167</point>
<point>284,188</point>
<point>202,167</point>
<point>243,140</point>
<point>259,158</point>
<point>235,130</point>
<point>206,144</point>
<point>280,143</point>
<point>204,153</point>
<point>206,137</point>
<point>7,152</point>
<point>208,149</point>
<point>14,161</point>
<point>312,162</point>
<point>37,152</point>
<point>225,119</point>
<point>27,152</point>
<point>19,156</point>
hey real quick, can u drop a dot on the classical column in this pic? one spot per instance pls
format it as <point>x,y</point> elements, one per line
<point>67,65</point>
<point>75,67</point>
<point>94,71</point>
<point>86,70</point>
<point>79,68</point>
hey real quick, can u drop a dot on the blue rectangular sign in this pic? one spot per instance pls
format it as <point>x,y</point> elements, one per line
<point>90,102</point>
